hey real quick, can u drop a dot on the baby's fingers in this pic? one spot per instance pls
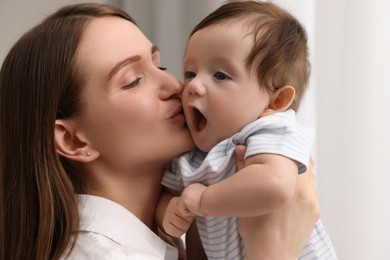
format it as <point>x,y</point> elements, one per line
<point>183,209</point>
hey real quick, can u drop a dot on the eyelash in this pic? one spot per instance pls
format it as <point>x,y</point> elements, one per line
<point>137,80</point>
<point>132,84</point>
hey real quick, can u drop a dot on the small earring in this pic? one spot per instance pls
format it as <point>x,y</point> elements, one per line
<point>89,154</point>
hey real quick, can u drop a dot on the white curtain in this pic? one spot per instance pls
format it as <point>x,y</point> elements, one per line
<point>168,23</point>
<point>352,67</point>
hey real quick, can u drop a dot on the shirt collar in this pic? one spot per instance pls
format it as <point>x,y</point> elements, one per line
<point>103,216</point>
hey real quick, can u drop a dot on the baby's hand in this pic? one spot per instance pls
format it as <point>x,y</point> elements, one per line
<point>177,219</point>
<point>191,198</point>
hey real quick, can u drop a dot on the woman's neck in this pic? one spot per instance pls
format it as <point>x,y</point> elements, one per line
<point>137,190</point>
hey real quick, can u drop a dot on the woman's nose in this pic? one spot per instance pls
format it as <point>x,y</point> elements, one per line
<point>171,87</point>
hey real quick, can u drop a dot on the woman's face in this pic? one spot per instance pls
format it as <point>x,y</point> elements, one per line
<point>132,112</point>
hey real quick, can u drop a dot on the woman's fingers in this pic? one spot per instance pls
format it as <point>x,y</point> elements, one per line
<point>178,225</point>
<point>239,154</point>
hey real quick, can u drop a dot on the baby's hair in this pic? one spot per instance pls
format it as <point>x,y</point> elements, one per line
<point>279,56</point>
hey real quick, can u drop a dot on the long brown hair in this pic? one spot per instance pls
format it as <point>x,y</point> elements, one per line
<point>279,55</point>
<point>38,84</point>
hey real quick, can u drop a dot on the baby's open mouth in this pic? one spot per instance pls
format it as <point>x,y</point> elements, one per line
<point>200,121</point>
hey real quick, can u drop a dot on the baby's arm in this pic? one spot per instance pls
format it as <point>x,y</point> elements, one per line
<point>266,183</point>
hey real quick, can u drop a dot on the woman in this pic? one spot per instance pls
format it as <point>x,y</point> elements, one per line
<point>87,109</point>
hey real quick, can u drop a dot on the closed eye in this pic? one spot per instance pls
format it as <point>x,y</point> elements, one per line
<point>133,84</point>
<point>221,76</point>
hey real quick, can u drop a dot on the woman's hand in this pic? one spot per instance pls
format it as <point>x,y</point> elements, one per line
<point>283,233</point>
<point>177,218</point>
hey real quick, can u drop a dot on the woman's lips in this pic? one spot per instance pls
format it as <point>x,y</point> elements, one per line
<point>178,116</point>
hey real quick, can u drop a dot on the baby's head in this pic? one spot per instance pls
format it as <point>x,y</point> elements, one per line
<point>245,60</point>
<point>279,55</point>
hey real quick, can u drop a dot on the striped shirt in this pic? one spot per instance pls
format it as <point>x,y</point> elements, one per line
<point>278,133</point>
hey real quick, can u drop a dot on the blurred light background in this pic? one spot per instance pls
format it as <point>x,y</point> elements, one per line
<point>348,101</point>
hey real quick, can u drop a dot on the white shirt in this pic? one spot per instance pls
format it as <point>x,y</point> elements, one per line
<point>109,231</point>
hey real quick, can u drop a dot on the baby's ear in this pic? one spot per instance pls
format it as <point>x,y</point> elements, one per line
<point>71,144</point>
<point>282,99</point>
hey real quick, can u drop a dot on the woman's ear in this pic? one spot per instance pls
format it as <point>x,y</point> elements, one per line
<point>282,99</point>
<point>72,145</point>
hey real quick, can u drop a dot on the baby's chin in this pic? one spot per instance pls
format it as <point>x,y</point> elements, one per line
<point>204,145</point>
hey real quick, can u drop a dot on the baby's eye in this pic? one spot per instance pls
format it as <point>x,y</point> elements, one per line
<point>162,68</point>
<point>221,76</point>
<point>189,74</point>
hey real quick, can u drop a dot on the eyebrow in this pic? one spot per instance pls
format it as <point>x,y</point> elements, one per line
<point>123,63</point>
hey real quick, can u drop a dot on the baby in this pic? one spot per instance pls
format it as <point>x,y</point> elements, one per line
<point>245,71</point>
